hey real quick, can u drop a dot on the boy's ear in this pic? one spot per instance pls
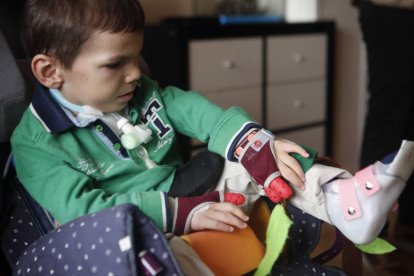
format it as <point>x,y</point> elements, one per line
<point>46,69</point>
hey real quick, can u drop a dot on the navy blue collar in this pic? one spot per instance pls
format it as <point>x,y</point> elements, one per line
<point>56,120</point>
<point>50,111</point>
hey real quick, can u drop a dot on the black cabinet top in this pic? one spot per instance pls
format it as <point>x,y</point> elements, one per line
<point>207,27</point>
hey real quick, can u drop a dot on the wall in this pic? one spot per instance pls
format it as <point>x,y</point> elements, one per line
<point>158,9</point>
<point>349,105</point>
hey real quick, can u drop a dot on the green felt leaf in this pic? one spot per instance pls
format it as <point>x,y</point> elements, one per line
<point>276,236</point>
<point>378,246</point>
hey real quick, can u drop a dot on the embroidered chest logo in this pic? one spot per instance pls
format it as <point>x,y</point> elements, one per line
<point>150,114</point>
<point>91,167</point>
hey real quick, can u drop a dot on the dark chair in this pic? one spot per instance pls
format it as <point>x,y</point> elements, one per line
<point>13,101</point>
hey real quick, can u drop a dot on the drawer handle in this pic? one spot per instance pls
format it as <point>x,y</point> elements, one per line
<point>299,58</point>
<point>228,64</point>
<point>299,104</point>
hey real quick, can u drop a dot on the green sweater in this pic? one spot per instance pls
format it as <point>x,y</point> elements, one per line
<point>72,171</point>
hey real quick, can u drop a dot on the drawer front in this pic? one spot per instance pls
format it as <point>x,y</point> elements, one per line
<point>313,137</point>
<point>295,104</point>
<point>296,57</point>
<point>221,64</point>
<point>248,99</point>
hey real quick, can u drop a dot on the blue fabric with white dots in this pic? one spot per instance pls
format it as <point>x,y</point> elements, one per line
<point>22,226</point>
<point>303,238</point>
<point>104,243</point>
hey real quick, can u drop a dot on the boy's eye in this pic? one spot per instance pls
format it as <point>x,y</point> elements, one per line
<point>114,65</point>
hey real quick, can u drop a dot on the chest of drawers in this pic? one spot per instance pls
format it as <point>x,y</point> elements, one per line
<point>281,74</point>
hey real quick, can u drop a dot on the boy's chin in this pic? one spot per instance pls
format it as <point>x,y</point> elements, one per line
<point>113,109</point>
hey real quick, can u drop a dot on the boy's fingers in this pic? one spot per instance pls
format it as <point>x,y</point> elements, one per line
<point>298,149</point>
<point>294,165</point>
<point>289,166</point>
<point>227,218</point>
<point>220,216</point>
<point>202,222</point>
<point>226,207</point>
<point>291,147</point>
<point>291,176</point>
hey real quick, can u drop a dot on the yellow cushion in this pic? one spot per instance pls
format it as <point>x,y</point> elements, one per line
<point>234,253</point>
<point>226,254</point>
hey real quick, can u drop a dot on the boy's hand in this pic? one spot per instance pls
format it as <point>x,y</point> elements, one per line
<point>289,167</point>
<point>222,216</point>
<point>216,210</point>
<point>262,157</point>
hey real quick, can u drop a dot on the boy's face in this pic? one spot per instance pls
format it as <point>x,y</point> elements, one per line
<point>105,72</point>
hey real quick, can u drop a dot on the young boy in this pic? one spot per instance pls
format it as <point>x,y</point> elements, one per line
<point>67,148</point>
<point>99,133</point>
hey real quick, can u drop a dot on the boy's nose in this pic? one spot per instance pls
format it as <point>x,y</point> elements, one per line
<point>134,73</point>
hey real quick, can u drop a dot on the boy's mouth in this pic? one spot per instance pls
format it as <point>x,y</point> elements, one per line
<point>126,97</point>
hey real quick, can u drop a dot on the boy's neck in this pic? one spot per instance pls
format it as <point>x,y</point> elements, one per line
<point>76,109</point>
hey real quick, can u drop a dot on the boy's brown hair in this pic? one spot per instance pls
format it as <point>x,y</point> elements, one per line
<point>60,27</point>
